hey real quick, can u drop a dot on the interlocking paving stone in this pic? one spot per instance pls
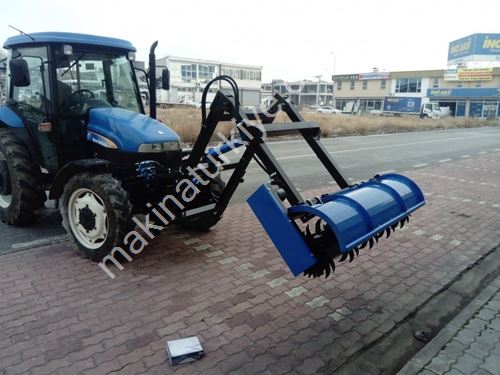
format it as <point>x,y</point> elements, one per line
<point>295,292</point>
<point>202,247</point>
<point>277,282</point>
<point>215,253</point>
<point>337,316</point>
<point>318,302</point>
<point>191,241</point>
<point>259,274</point>
<point>228,260</point>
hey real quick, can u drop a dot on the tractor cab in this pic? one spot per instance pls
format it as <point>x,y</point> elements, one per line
<point>73,91</point>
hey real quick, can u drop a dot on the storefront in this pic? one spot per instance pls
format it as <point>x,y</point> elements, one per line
<point>468,102</point>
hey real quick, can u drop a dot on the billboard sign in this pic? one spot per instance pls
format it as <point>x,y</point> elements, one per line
<point>469,74</point>
<point>475,47</point>
<point>345,77</point>
<point>451,75</point>
<point>374,75</point>
<point>471,92</point>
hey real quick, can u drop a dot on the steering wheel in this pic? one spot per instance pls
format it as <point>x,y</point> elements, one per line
<point>76,104</point>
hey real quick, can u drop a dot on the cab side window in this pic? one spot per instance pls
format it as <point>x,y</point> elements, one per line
<point>34,98</point>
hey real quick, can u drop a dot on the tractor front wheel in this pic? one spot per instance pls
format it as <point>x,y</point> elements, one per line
<point>20,195</point>
<point>96,213</point>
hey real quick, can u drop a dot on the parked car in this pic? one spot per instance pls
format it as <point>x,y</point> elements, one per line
<point>207,104</point>
<point>328,109</point>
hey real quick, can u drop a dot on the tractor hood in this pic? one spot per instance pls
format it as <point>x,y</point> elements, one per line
<point>129,130</point>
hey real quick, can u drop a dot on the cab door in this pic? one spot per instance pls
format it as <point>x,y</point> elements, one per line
<point>34,104</point>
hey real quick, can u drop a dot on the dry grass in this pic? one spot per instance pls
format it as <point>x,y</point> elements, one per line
<point>186,122</point>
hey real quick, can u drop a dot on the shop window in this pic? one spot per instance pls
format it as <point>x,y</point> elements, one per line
<point>409,85</point>
<point>476,109</point>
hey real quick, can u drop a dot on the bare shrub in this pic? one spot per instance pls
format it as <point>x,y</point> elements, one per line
<point>187,121</point>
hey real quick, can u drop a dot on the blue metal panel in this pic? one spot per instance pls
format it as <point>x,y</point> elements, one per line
<point>129,129</point>
<point>359,213</point>
<point>69,38</point>
<point>282,231</point>
<point>10,118</point>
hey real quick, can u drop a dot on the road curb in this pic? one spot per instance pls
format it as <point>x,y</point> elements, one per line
<point>430,350</point>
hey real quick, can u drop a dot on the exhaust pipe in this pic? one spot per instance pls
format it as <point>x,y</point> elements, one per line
<point>152,81</point>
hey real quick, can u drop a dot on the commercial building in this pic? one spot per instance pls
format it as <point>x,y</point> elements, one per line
<point>466,91</point>
<point>302,93</point>
<point>189,76</point>
<point>473,92</point>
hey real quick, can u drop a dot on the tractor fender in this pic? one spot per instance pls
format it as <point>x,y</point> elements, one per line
<point>72,168</point>
<point>11,120</point>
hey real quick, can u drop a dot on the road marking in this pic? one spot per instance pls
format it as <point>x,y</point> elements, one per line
<point>444,160</point>
<point>40,242</point>
<point>465,156</point>
<point>482,153</point>
<point>420,165</point>
<point>295,156</point>
<point>406,144</point>
<point>386,172</point>
<point>382,147</point>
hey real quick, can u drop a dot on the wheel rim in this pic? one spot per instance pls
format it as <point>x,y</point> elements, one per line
<point>88,218</point>
<point>5,200</point>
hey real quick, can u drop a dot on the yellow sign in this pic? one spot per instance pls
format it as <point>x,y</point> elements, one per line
<point>475,74</point>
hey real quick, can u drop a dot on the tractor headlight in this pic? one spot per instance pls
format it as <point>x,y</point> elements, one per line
<point>160,147</point>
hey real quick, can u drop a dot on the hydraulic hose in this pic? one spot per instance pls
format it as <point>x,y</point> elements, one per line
<point>234,87</point>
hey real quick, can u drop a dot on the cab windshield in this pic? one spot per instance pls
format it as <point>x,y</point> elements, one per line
<point>89,79</point>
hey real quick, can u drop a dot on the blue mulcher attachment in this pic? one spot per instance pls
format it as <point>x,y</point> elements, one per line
<point>311,233</point>
<point>343,222</point>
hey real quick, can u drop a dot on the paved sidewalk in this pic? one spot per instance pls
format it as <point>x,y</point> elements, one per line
<point>60,314</point>
<point>468,345</point>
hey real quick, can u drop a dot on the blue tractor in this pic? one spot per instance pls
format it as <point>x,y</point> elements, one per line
<point>74,129</point>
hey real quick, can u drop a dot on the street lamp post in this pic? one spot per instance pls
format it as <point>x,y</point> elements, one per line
<point>333,82</point>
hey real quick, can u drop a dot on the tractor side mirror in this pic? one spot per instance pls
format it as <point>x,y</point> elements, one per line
<point>165,79</point>
<point>19,72</point>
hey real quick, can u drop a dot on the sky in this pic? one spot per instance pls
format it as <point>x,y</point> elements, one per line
<point>292,40</point>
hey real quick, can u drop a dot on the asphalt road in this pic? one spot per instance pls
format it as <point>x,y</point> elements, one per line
<point>360,158</point>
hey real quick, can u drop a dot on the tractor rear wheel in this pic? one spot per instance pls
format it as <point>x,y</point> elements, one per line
<point>20,194</point>
<point>202,223</point>
<point>96,213</point>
